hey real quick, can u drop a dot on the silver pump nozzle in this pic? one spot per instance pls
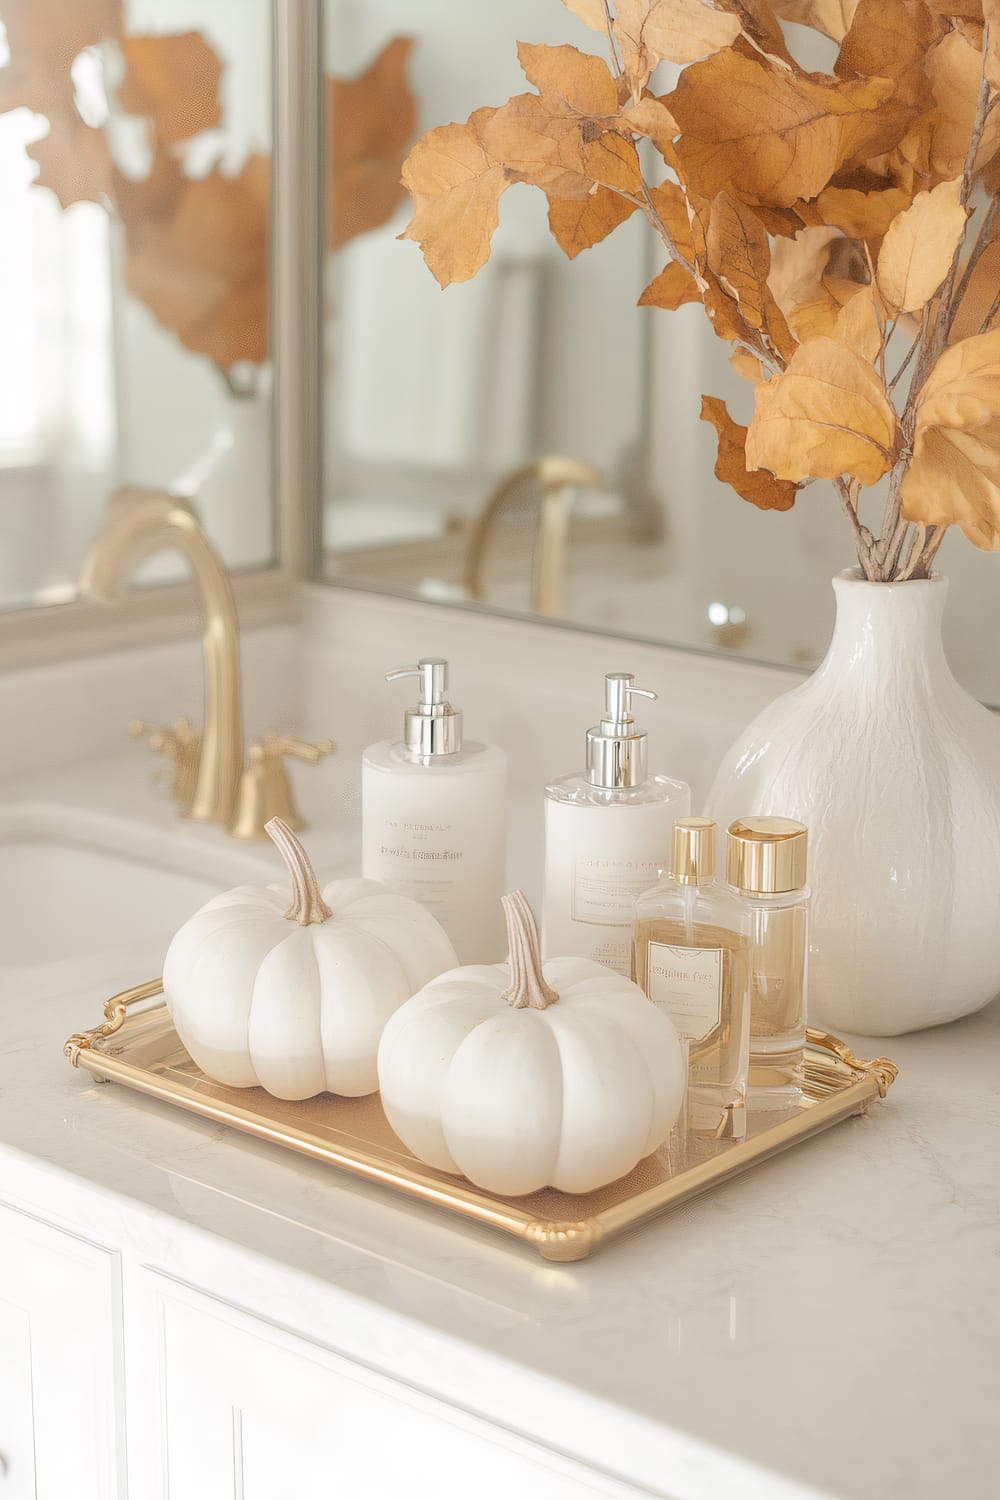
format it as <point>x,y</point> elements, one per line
<point>616,748</point>
<point>433,727</point>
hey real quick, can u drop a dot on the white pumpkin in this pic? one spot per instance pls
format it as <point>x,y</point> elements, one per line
<point>523,1078</point>
<point>294,998</point>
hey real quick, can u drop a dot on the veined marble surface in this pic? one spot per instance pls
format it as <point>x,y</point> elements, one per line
<point>825,1326</point>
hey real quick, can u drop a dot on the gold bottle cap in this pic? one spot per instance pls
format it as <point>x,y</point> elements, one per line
<point>766,855</point>
<point>693,856</point>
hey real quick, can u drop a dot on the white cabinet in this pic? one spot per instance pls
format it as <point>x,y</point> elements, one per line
<point>256,1413</point>
<point>116,1380</point>
<point>59,1330</point>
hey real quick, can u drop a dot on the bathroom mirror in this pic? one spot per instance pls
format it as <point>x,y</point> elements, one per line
<point>530,441</point>
<point>135,197</point>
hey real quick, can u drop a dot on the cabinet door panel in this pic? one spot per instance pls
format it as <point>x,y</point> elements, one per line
<point>17,1439</point>
<point>58,1328</point>
<point>253,1412</point>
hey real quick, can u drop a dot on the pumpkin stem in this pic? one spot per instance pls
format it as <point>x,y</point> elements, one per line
<point>527,987</point>
<point>307,899</point>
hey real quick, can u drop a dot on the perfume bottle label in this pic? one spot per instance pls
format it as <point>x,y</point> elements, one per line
<point>686,984</point>
<point>604,889</point>
<point>598,858</point>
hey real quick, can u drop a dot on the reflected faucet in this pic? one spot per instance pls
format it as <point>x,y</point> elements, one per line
<point>209,781</point>
<point>556,478</point>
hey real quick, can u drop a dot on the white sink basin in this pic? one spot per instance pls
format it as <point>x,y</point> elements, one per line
<point>61,900</point>
<point>74,883</point>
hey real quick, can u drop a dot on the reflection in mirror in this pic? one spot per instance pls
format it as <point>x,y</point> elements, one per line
<point>445,411</point>
<point>135,189</point>
<point>438,407</point>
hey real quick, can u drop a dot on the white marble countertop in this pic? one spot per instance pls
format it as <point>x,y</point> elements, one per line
<point>825,1326</point>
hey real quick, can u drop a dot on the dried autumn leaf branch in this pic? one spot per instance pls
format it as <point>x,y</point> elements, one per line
<point>834,226</point>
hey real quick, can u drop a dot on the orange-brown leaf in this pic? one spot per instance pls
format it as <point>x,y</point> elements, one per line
<point>566,137</point>
<point>785,223</point>
<point>954,475</point>
<point>859,325</point>
<point>612,160</point>
<point>532,144</point>
<point>671,205</point>
<point>954,68</point>
<point>651,118</point>
<point>681,31</point>
<point>991,54</point>
<point>889,39</point>
<point>954,480</point>
<point>44,38</point>
<point>919,247</point>
<point>578,223</point>
<point>738,253</point>
<point>670,289</point>
<point>861,215</point>
<point>73,160</point>
<point>798,266</point>
<point>174,81</point>
<point>725,316</point>
<point>820,317</point>
<point>456,186</point>
<point>747,365</point>
<point>155,196</point>
<point>827,415</point>
<point>831,17</point>
<point>202,268</point>
<point>61,28</point>
<point>756,485</point>
<point>762,31</point>
<point>572,82</point>
<point>980,293</point>
<point>973,9</point>
<point>368,124</point>
<point>737,264</point>
<point>772,136</point>
<point>590,12</point>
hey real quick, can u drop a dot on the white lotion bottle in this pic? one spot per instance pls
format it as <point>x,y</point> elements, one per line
<point>433,818</point>
<point>608,833</point>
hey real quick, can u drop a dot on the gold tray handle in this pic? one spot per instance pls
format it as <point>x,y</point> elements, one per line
<point>115,1011</point>
<point>884,1071</point>
<point>881,1069</point>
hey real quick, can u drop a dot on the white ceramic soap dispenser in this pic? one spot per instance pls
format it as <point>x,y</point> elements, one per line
<point>433,818</point>
<point>608,833</point>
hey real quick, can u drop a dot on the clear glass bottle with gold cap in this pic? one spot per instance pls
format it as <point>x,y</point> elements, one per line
<point>766,864</point>
<point>692,948</point>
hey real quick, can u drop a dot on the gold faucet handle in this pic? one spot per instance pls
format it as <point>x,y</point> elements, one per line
<point>285,744</point>
<point>179,742</point>
<point>265,791</point>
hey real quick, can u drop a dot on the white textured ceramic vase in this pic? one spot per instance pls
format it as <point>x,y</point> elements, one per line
<point>896,771</point>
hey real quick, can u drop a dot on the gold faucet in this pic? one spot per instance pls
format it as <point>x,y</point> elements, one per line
<point>210,783</point>
<point>556,478</point>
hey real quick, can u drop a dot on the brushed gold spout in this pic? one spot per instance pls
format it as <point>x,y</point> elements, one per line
<point>556,478</point>
<point>139,523</point>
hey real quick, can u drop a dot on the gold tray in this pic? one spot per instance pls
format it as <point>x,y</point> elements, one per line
<point>142,1050</point>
